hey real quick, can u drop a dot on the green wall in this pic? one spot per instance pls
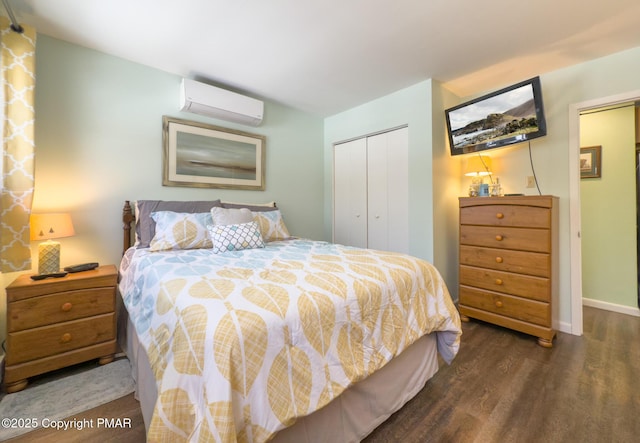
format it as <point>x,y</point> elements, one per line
<point>410,106</point>
<point>435,176</point>
<point>608,209</point>
<point>99,143</point>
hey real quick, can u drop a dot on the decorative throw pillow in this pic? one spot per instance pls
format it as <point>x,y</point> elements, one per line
<point>179,230</point>
<point>235,237</point>
<point>271,225</point>
<point>146,227</point>
<point>223,216</point>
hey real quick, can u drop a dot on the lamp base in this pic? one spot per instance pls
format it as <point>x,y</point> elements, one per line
<point>48,257</point>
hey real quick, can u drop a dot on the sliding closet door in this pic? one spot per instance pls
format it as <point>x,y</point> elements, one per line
<point>350,193</point>
<point>388,191</point>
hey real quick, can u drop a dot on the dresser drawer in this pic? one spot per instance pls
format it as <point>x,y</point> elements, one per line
<point>536,288</point>
<point>60,307</point>
<point>523,239</point>
<point>513,307</point>
<point>521,262</point>
<point>55,339</point>
<point>506,215</point>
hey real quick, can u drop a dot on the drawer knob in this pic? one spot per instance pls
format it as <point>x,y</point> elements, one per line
<point>499,215</point>
<point>499,237</point>
<point>498,259</point>
<point>498,304</point>
<point>67,307</point>
<point>66,337</point>
<point>498,281</point>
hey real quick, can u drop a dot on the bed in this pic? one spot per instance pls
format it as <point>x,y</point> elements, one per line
<point>259,336</point>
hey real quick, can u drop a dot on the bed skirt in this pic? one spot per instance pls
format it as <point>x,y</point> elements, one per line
<point>349,418</point>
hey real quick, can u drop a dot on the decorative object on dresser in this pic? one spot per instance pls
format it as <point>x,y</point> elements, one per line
<point>55,323</point>
<point>508,262</point>
<point>477,167</point>
<point>48,227</point>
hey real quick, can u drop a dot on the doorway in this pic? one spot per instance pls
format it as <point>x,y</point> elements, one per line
<point>608,208</point>
<point>575,242</point>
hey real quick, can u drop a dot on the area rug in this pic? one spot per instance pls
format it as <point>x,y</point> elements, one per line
<point>65,393</point>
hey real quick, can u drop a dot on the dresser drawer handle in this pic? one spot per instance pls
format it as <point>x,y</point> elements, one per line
<point>498,281</point>
<point>500,215</point>
<point>66,307</point>
<point>66,337</point>
<point>498,304</point>
<point>499,237</point>
<point>498,259</point>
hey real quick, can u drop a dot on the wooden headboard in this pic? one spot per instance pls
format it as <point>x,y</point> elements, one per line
<point>128,220</point>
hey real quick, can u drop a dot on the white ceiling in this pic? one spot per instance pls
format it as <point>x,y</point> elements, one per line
<point>326,56</point>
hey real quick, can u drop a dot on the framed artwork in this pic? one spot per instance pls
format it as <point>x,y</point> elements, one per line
<point>206,156</point>
<point>591,162</point>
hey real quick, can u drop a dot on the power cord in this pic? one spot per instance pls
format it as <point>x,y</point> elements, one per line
<point>533,169</point>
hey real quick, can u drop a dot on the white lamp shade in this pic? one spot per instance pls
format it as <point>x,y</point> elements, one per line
<point>48,226</point>
<point>478,166</point>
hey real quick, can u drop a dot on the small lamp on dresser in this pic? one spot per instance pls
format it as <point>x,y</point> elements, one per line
<point>477,167</point>
<point>48,227</point>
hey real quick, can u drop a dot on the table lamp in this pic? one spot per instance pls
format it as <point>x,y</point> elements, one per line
<point>477,167</point>
<point>47,227</point>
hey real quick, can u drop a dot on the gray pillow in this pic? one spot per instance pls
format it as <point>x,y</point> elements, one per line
<point>146,226</point>
<point>250,207</point>
<point>231,216</point>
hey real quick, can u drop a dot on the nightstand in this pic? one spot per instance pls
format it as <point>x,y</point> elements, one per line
<point>58,322</point>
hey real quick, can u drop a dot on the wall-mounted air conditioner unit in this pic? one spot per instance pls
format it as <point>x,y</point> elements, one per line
<point>200,98</point>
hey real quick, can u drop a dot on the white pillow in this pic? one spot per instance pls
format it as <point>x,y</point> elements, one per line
<point>227,238</point>
<point>180,230</point>
<point>227,216</point>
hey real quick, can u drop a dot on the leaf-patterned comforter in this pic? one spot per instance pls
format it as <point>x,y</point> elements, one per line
<point>243,343</point>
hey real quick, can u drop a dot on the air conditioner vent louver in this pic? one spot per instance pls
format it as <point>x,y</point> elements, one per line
<point>203,99</point>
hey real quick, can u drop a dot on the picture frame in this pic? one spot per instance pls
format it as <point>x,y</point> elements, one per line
<point>206,156</point>
<point>591,162</point>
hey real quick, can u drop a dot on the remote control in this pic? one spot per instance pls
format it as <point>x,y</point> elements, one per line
<point>51,275</point>
<point>81,267</point>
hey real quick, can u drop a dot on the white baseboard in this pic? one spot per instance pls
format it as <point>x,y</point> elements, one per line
<point>628,310</point>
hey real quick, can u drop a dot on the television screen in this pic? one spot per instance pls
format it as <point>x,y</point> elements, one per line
<point>511,115</point>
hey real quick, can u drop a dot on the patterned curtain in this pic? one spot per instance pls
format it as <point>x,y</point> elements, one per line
<point>17,54</point>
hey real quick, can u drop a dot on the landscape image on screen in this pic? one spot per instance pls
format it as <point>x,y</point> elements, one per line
<point>508,115</point>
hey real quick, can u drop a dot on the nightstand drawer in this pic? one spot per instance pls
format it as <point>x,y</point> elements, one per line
<point>536,288</point>
<point>521,262</point>
<point>523,239</point>
<point>513,307</point>
<point>506,215</point>
<point>60,307</point>
<point>55,339</point>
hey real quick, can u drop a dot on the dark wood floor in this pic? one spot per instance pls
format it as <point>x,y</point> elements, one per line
<point>502,387</point>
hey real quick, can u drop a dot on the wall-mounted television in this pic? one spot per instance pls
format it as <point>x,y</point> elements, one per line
<point>511,115</point>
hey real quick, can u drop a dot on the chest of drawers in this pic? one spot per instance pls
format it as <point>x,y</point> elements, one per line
<point>55,323</point>
<point>508,262</point>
